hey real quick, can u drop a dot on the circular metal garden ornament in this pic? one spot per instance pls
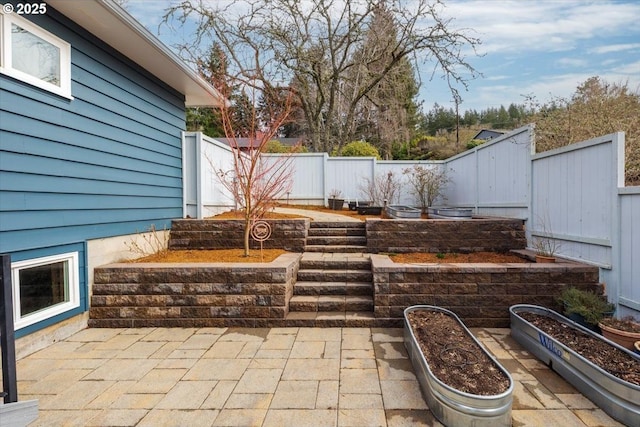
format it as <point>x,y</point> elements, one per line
<point>260,231</point>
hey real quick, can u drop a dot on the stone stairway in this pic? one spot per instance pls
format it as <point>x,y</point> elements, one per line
<point>336,237</point>
<point>332,289</point>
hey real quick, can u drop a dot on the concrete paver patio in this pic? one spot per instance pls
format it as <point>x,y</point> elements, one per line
<point>266,377</point>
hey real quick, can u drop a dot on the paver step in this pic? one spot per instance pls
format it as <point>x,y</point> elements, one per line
<point>333,288</point>
<point>313,232</point>
<point>337,224</point>
<point>343,303</point>
<point>337,240</point>
<point>335,263</point>
<point>334,319</point>
<point>321,275</point>
<point>335,248</point>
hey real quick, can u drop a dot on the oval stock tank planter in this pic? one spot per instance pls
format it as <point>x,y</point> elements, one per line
<point>615,396</point>
<point>403,212</point>
<point>450,213</point>
<point>451,406</point>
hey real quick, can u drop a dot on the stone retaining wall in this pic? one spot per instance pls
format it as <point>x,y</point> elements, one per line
<point>193,295</point>
<point>480,294</point>
<point>435,235</point>
<point>287,234</point>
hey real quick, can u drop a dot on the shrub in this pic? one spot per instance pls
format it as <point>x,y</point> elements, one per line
<point>360,149</point>
<point>586,304</point>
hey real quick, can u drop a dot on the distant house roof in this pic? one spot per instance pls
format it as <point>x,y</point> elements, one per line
<point>246,143</point>
<point>113,25</point>
<point>487,134</point>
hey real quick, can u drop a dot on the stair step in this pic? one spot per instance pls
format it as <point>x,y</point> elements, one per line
<point>337,240</point>
<point>335,263</point>
<point>328,319</point>
<point>333,288</point>
<point>336,303</point>
<point>320,275</point>
<point>313,232</point>
<point>335,248</point>
<point>340,224</point>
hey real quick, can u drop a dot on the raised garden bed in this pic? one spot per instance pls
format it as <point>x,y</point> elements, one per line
<point>460,381</point>
<point>353,206</point>
<point>369,210</point>
<point>603,371</point>
<point>450,213</point>
<point>403,212</point>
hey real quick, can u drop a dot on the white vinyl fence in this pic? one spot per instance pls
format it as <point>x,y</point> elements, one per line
<point>574,194</point>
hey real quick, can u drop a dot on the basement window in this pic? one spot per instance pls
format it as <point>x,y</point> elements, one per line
<point>44,287</point>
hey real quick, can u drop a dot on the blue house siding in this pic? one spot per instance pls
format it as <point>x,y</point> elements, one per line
<point>105,163</point>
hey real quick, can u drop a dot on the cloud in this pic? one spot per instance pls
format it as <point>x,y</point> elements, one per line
<point>615,48</point>
<point>506,26</point>
<point>572,63</point>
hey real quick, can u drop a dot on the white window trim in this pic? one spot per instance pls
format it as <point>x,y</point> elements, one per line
<point>73,288</point>
<point>6,58</point>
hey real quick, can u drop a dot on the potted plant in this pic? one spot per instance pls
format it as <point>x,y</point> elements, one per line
<point>544,242</point>
<point>336,202</point>
<point>623,331</point>
<point>546,248</point>
<point>585,308</point>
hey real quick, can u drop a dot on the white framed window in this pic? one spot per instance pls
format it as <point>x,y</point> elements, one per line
<point>34,56</point>
<point>44,287</point>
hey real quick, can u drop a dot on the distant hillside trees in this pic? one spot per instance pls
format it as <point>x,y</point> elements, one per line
<point>595,109</point>
<point>323,50</point>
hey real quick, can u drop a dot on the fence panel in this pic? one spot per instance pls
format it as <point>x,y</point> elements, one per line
<point>494,177</point>
<point>348,174</point>
<point>629,251</point>
<point>572,202</point>
<point>308,176</point>
<point>462,188</point>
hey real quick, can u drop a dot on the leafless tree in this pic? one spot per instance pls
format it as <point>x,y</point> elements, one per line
<point>311,46</point>
<point>426,184</point>
<point>381,188</point>
<point>255,182</point>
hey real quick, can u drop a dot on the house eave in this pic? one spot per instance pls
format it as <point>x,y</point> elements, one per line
<point>112,24</point>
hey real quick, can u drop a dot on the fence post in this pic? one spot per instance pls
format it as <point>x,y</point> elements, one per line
<point>7,337</point>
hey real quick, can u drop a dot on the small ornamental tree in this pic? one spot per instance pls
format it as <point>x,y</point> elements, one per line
<point>426,184</point>
<point>257,180</point>
<point>381,188</point>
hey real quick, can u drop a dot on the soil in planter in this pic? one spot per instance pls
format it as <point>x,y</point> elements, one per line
<point>454,357</point>
<point>598,352</point>
<point>213,255</point>
<point>448,258</point>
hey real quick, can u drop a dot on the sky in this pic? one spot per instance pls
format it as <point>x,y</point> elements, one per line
<point>539,48</point>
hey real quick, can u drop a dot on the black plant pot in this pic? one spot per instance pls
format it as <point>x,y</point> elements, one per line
<point>336,204</point>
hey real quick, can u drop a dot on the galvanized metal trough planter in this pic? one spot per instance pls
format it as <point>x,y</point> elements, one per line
<point>618,398</point>
<point>450,406</point>
<point>403,212</point>
<point>450,213</point>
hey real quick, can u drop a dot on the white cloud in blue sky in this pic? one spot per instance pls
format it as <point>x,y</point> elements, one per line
<point>543,48</point>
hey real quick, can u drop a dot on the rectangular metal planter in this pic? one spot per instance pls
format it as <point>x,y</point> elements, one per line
<point>455,408</point>
<point>616,397</point>
<point>353,206</point>
<point>369,210</point>
<point>403,212</point>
